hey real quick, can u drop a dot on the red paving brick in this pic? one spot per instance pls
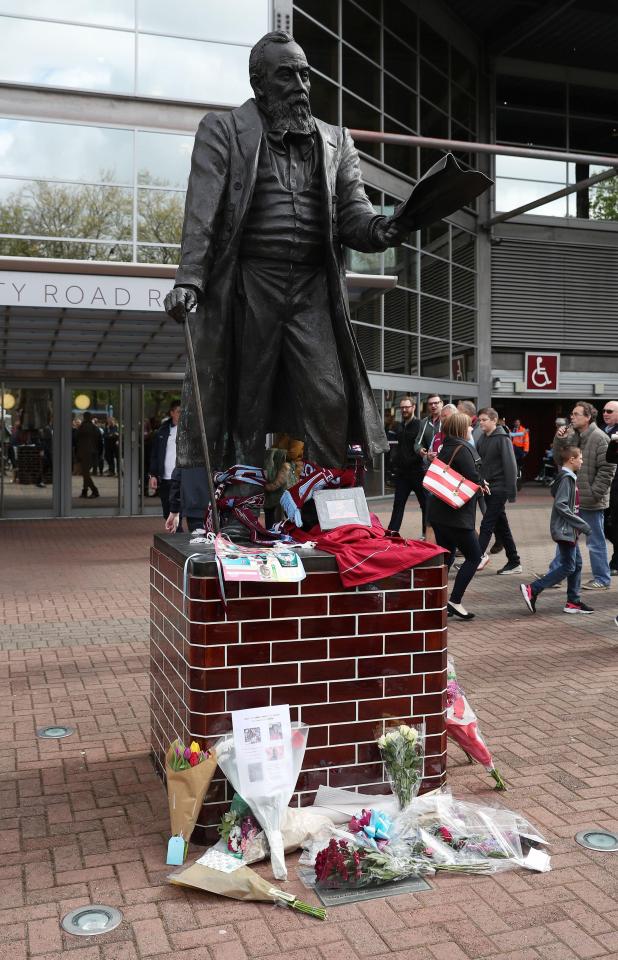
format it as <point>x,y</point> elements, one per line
<point>85,819</point>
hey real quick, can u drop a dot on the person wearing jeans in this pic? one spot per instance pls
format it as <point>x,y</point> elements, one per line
<point>594,481</point>
<point>455,528</point>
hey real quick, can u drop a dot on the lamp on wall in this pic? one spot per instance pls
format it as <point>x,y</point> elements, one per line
<point>8,401</point>
<point>82,401</point>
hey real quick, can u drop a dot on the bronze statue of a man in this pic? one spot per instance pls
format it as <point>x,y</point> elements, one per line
<point>273,195</point>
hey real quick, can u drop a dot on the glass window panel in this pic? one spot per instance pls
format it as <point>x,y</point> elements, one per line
<point>529,168</point>
<point>464,286</point>
<point>434,276</point>
<point>593,101</point>
<point>236,21</point>
<point>594,136</point>
<point>360,76</point>
<point>326,13</point>
<point>163,159</point>
<point>321,48</point>
<point>324,99</point>
<point>464,324</point>
<point>434,318</point>
<point>104,13</point>
<point>464,248</point>
<point>401,157</point>
<point>463,108</point>
<point>59,55</point>
<point>158,254</point>
<point>359,262</point>
<point>434,86</point>
<point>401,310</point>
<point>194,70</point>
<point>66,250</point>
<point>463,363</point>
<point>403,261</point>
<point>374,7</point>
<point>399,59</point>
<point>160,216</point>
<point>399,18</point>
<point>367,309</point>
<point>399,102</point>
<point>435,361</point>
<point>434,239</point>
<point>433,123</point>
<point>359,116</point>
<point>515,193</point>
<point>361,31</point>
<point>429,157</point>
<point>433,47</point>
<point>400,353</point>
<point>533,129</point>
<point>463,72</point>
<point>530,92</point>
<point>40,208</point>
<point>368,339</point>
<point>30,148</point>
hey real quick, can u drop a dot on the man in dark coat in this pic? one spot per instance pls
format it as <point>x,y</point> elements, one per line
<point>86,446</point>
<point>273,194</point>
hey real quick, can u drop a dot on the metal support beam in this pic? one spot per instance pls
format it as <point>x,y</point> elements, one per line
<point>557,195</point>
<point>470,146</point>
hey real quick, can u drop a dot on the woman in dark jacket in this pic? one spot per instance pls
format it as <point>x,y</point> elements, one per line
<point>455,528</point>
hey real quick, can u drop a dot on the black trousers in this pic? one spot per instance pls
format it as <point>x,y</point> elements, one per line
<point>611,524</point>
<point>495,521</point>
<point>404,486</point>
<point>466,541</point>
<point>284,335</point>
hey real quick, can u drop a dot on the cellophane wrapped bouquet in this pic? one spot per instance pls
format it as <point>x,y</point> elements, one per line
<point>462,726</point>
<point>434,833</point>
<point>402,749</point>
<point>268,805</point>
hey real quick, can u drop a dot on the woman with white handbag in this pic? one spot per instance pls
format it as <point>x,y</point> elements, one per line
<point>454,480</point>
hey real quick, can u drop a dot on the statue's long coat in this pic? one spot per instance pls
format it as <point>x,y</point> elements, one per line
<point>221,184</point>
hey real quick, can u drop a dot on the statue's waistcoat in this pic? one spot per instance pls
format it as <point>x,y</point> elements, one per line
<point>282,223</point>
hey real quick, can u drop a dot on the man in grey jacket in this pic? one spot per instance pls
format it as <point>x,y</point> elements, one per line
<point>594,480</point>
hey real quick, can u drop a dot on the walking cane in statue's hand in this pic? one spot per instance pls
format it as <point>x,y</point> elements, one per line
<point>200,420</point>
<point>178,304</point>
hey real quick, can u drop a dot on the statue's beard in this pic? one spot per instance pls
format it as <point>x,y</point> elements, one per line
<point>291,114</point>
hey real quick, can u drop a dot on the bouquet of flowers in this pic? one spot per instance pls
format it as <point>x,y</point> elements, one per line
<point>372,828</point>
<point>241,884</point>
<point>188,771</point>
<point>345,864</point>
<point>268,802</point>
<point>238,828</point>
<point>402,752</point>
<point>462,726</point>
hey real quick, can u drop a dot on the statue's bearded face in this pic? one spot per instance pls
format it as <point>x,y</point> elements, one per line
<point>283,92</point>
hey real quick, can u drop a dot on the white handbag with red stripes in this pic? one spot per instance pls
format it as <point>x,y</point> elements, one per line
<point>447,484</point>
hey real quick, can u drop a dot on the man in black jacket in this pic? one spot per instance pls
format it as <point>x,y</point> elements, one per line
<point>408,465</point>
<point>499,470</point>
<point>610,426</point>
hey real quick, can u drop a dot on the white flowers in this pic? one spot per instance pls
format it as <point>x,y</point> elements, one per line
<point>409,734</point>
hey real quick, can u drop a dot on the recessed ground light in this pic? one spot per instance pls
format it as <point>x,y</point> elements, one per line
<point>601,840</point>
<point>54,733</point>
<point>92,920</point>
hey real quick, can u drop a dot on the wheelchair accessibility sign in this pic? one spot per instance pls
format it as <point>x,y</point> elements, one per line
<point>542,371</point>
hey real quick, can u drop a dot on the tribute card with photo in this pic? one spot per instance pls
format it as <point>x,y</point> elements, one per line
<point>263,745</point>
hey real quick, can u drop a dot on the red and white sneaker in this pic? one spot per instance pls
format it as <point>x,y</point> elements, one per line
<point>578,607</point>
<point>529,597</point>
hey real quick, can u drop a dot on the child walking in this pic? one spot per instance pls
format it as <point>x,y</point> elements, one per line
<point>565,527</point>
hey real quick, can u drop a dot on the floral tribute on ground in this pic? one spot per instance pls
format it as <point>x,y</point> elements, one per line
<point>462,726</point>
<point>402,749</point>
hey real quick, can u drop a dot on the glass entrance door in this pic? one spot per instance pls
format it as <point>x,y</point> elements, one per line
<point>96,448</point>
<point>27,450</point>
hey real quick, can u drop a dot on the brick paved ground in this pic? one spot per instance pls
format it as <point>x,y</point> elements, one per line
<point>85,819</point>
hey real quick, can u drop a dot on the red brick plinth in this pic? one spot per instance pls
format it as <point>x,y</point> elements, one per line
<point>343,659</point>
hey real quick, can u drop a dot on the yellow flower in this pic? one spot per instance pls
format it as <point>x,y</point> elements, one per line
<point>195,747</point>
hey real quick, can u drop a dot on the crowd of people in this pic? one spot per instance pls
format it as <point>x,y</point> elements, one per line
<point>480,448</point>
